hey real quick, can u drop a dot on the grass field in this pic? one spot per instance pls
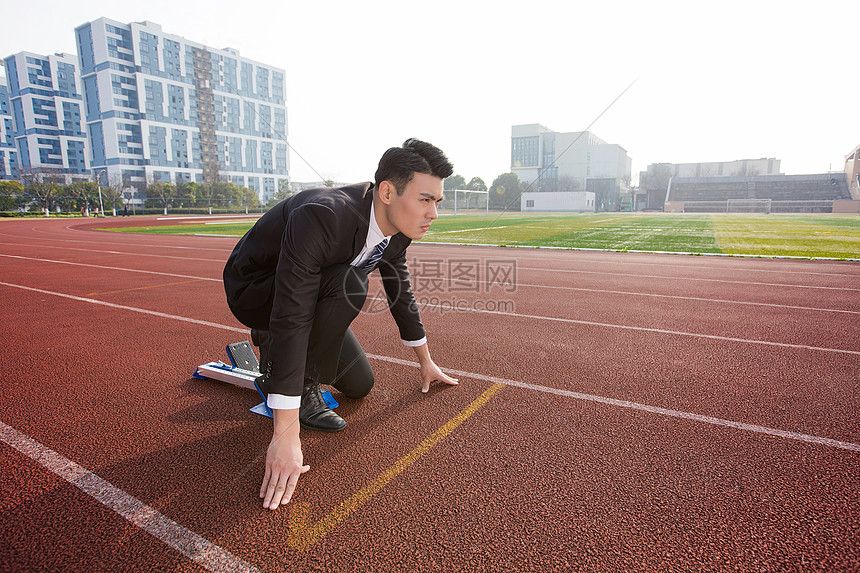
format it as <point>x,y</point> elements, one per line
<point>819,236</point>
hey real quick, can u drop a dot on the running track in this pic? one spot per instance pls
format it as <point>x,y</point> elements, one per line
<point>616,412</point>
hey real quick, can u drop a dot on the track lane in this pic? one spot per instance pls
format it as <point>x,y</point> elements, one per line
<point>532,480</point>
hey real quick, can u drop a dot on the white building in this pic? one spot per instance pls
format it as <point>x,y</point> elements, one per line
<point>45,107</point>
<point>161,108</point>
<point>549,161</point>
<point>557,201</point>
<point>8,153</point>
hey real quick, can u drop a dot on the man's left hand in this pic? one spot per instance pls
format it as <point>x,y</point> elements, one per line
<point>431,373</point>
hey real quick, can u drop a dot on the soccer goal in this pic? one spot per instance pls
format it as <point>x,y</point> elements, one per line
<point>748,206</point>
<point>463,201</point>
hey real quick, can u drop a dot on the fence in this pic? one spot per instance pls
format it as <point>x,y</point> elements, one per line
<point>71,206</point>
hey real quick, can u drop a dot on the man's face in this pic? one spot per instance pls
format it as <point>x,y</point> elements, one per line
<point>412,212</point>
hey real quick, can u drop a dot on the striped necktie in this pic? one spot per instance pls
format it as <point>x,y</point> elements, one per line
<point>370,264</point>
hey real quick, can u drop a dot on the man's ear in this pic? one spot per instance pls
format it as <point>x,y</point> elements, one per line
<point>386,190</point>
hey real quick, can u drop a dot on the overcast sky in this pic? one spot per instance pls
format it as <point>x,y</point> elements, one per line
<point>714,81</point>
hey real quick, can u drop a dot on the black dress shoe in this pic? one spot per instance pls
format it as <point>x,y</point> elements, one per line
<point>314,413</point>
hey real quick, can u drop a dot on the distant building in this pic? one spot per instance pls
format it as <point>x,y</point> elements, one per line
<point>45,101</point>
<point>549,161</point>
<point>8,153</point>
<point>852,172</point>
<point>161,108</point>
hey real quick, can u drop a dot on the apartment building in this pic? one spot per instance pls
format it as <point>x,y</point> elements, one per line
<point>41,118</point>
<point>161,108</point>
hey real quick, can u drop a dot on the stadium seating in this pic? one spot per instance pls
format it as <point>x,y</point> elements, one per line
<point>787,193</point>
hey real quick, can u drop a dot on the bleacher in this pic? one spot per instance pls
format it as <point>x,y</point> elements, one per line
<point>787,193</point>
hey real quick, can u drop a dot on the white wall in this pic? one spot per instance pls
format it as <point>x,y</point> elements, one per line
<point>558,201</point>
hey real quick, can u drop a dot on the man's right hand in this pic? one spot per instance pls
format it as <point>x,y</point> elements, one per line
<point>283,460</point>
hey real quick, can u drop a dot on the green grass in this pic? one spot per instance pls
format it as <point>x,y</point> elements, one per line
<point>824,236</point>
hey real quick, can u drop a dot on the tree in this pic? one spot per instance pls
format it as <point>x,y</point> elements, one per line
<point>84,193</point>
<point>505,192</point>
<point>11,193</point>
<point>284,191</point>
<point>476,184</point>
<point>455,182</point>
<point>41,184</point>
<point>187,193</point>
<point>163,193</point>
<point>225,194</point>
<point>250,199</point>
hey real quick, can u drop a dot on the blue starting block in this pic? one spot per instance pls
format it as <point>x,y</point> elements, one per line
<point>244,371</point>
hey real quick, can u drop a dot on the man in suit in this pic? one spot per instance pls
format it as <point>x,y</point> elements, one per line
<point>298,278</point>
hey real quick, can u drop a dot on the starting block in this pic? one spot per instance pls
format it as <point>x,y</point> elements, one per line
<point>243,370</point>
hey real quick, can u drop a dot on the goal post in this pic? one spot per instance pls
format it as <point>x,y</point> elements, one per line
<point>471,200</point>
<point>748,206</point>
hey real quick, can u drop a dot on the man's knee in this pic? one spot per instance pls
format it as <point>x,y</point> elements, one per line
<point>356,385</point>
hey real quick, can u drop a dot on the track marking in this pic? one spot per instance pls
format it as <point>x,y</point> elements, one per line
<point>303,533</point>
<point>131,308</point>
<point>642,407</point>
<point>144,287</point>
<point>578,289</point>
<point>193,546</point>
<point>638,276</point>
<point>513,314</point>
<point>633,293</point>
<point>636,328</point>
<point>92,266</point>
<point>615,274</point>
<point>123,253</point>
<point>601,399</point>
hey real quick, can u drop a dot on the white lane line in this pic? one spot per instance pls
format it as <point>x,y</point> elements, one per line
<point>695,298</point>
<point>614,274</point>
<point>130,255</point>
<point>638,276</point>
<point>182,539</point>
<point>510,314</point>
<point>567,393</point>
<point>113,268</point>
<point>542,256</point>
<point>643,407</point>
<point>418,277</point>
<point>115,239</point>
<point>131,308</point>
<point>448,308</point>
<point>651,252</point>
<point>206,217</point>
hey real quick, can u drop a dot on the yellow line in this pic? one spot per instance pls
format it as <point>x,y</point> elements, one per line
<point>302,534</point>
<point>143,288</point>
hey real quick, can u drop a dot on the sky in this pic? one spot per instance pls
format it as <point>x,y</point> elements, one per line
<point>711,81</point>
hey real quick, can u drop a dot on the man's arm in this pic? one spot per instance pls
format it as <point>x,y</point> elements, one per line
<point>284,462</point>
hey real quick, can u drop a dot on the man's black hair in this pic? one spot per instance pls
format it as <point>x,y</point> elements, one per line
<point>399,164</point>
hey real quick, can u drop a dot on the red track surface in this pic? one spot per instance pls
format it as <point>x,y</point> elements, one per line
<point>707,360</point>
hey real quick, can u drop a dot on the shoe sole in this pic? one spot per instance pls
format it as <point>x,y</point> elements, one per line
<point>331,431</point>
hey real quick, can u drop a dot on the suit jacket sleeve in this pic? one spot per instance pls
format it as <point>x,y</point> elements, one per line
<point>305,249</point>
<point>401,299</point>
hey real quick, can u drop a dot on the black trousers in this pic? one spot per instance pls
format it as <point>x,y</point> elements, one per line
<point>335,356</point>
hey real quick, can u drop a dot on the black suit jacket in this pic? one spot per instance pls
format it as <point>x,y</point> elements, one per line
<point>272,277</point>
